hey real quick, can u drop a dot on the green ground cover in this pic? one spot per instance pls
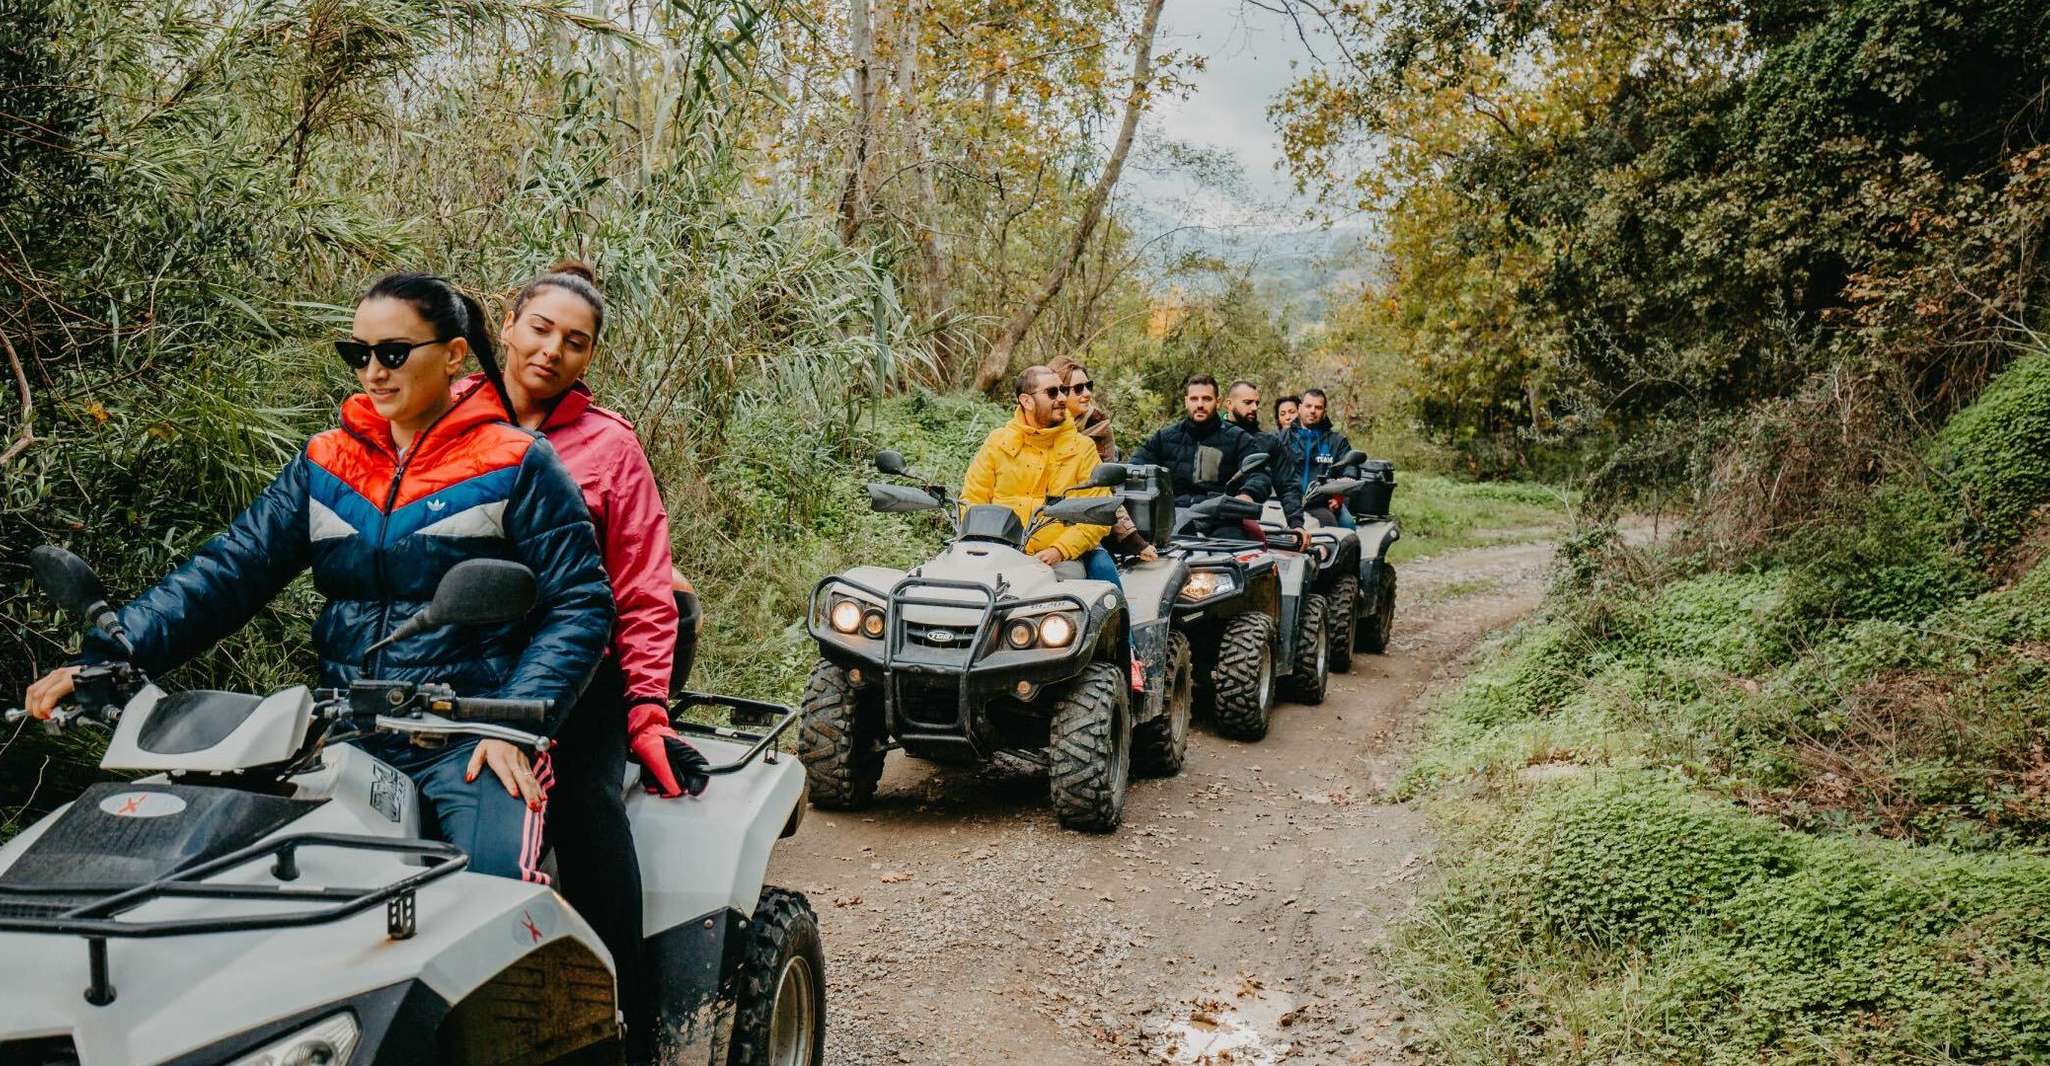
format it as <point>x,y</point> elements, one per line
<point>1795,811</point>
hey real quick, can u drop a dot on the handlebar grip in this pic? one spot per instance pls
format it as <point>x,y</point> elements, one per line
<point>485,709</point>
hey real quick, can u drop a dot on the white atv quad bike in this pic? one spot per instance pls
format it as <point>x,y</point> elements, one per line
<point>983,649</point>
<point>264,897</point>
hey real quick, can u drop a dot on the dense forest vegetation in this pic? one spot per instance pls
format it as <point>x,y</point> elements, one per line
<point>1773,788</point>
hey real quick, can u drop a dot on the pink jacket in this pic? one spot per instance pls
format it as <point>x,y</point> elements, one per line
<point>608,463</point>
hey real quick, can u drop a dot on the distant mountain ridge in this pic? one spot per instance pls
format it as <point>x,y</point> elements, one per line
<point>1299,268</point>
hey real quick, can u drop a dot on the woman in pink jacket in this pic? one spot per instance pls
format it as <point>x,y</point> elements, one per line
<point>548,341</point>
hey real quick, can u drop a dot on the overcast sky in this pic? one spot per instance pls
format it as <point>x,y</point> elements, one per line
<point>1252,55</point>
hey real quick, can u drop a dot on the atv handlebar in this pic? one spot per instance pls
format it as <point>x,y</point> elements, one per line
<point>482,709</point>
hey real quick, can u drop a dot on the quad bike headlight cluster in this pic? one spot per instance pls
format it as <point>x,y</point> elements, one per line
<point>852,616</point>
<point>329,1040</point>
<point>1204,584</point>
<point>1047,631</point>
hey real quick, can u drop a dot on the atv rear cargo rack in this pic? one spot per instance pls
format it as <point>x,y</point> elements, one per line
<point>739,710</point>
<point>96,920</point>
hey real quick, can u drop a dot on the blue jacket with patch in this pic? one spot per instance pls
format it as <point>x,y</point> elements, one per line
<point>379,530</point>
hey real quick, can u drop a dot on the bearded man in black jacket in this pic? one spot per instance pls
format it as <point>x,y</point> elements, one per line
<point>1242,409</point>
<point>1203,451</point>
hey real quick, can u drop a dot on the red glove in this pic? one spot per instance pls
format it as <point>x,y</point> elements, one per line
<point>670,767</point>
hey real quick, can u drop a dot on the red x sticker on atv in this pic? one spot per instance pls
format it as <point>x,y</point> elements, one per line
<point>142,804</point>
<point>532,926</point>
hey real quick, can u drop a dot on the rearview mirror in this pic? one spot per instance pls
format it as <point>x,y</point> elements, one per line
<point>482,592</point>
<point>474,592</point>
<point>1108,476</point>
<point>1084,510</point>
<point>1352,458</point>
<point>69,581</point>
<point>899,499</point>
<point>1254,462</point>
<point>890,461</point>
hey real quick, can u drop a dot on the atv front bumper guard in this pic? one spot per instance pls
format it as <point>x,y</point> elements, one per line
<point>97,920</point>
<point>983,663</point>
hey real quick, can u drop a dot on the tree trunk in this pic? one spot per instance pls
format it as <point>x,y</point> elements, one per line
<point>998,359</point>
<point>935,290</point>
<point>854,196</point>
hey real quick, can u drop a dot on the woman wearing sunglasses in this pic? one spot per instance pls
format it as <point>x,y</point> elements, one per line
<point>549,340</point>
<point>415,480</point>
<point>1093,422</point>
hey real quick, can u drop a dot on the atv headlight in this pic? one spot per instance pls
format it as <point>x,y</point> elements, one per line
<point>329,1040</point>
<point>1204,584</point>
<point>1021,633</point>
<point>872,624</point>
<point>845,616</point>
<point>1056,630</point>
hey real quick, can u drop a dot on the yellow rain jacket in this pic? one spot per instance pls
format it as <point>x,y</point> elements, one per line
<point>1020,467</point>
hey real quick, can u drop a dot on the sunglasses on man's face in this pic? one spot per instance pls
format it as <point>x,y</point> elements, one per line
<point>393,354</point>
<point>1054,392</point>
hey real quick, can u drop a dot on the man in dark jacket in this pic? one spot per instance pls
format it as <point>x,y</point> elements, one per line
<point>1202,451</point>
<point>1242,408</point>
<point>1319,445</point>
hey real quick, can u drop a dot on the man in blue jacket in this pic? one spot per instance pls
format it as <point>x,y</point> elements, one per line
<point>1319,446</point>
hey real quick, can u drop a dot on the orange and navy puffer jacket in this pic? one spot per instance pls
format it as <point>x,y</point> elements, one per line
<point>379,530</point>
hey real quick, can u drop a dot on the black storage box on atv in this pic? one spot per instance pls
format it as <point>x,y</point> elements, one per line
<point>1376,494</point>
<point>1148,494</point>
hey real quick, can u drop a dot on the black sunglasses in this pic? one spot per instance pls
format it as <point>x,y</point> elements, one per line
<point>1054,392</point>
<point>393,354</point>
<point>1082,386</point>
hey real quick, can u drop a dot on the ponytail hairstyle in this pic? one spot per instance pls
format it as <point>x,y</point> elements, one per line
<point>452,312</point>
<point>571,276</point>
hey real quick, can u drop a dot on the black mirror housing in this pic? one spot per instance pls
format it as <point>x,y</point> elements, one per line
<point>1108,475</point>
<point>891,461</point>
<point>1253,462</point>
<point>1352,458</point>
<point>482,592</point>
<point>67,579</point>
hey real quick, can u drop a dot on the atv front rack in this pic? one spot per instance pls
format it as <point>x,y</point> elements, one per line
<point>96,920</point>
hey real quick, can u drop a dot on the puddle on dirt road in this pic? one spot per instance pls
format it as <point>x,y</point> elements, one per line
<point>1239,1026</point>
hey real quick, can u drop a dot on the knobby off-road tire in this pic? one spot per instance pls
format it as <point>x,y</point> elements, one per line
<point>1312,673</point>
<point>1090,749</point>
<point>1161,745</point>
<point>838,744</point>
<point>1342,621</point>
<point>1242,682</point>
<point>1379,622</point>
<point>779,1015</point>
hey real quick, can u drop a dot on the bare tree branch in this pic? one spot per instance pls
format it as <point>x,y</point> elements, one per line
<point>998,359</point>
<point>27,436</point>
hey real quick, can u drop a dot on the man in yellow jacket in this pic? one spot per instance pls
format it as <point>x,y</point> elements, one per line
<point>1034,455</point>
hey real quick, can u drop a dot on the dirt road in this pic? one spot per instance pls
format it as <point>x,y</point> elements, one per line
<point>1233,919</point>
